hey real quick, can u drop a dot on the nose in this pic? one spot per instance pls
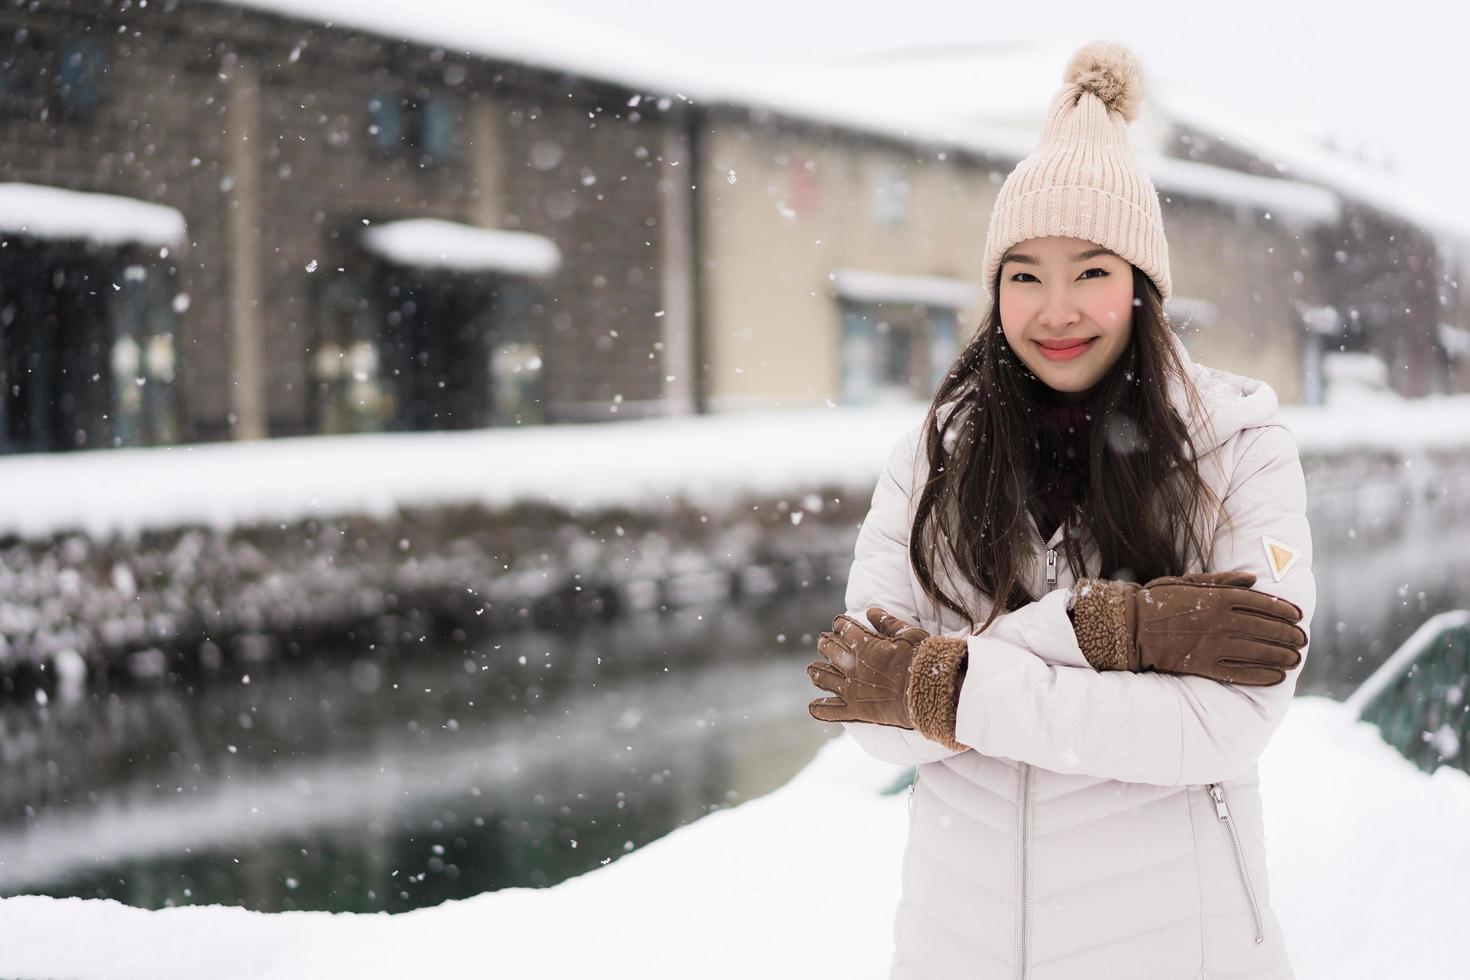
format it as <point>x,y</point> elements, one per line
<point>1057,310</point>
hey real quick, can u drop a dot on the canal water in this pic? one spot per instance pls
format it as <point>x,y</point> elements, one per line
<point>394,781</point>
<point>367,779</point>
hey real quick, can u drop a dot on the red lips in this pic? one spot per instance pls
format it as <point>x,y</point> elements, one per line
<point>1064,350</point>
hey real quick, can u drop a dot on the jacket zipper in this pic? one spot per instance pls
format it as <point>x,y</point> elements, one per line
<point>1217,792</point>
<point>1025,868</point>
<point>1025,816</point>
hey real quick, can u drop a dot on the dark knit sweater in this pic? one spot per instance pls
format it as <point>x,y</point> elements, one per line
<point>1062,472</point>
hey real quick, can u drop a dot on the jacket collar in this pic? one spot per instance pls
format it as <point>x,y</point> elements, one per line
<point>1229,402</point>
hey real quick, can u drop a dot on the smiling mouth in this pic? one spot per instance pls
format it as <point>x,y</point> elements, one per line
<point>1065,344</point>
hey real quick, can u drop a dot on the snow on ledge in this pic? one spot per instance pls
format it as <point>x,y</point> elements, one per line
<point>105,219</point>
<point>1306,203</point>
<point>885,287</point>
<point>435,244</point>
<point>710,460</point>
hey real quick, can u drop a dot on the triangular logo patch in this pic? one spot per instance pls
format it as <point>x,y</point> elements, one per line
<point>1279,556</point>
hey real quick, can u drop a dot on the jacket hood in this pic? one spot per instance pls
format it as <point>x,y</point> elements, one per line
<point>1230,402</point>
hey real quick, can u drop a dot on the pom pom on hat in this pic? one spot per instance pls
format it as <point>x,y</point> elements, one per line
<point>1110,72</point>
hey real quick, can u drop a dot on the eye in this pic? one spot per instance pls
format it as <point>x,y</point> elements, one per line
<point>1016,277</point>
<point>1097,269</point>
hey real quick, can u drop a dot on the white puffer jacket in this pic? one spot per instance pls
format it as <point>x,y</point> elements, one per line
<point>1103,824</point>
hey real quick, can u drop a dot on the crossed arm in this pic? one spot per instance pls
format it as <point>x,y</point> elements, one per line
<point>1030,695</point>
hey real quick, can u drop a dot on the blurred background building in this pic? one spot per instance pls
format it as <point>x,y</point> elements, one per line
<point>233,221</point>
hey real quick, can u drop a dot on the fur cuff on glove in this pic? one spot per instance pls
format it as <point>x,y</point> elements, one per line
<point>933,689</point>
<point>1100,620</point>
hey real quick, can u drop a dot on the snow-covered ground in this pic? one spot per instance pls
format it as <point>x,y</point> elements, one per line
<point>710,460</point>
<point>1369,870</point>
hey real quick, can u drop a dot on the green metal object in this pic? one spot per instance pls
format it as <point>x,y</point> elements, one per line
<point>1420,698</point>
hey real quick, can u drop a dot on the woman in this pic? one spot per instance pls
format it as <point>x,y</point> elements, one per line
<point>1086,801</point>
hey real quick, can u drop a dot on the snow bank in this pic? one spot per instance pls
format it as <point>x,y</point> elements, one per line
<point>1391,423</point>
<point>710,460</point>
<point>1368,862</point>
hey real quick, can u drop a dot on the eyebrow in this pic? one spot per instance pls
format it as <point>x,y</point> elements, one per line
<point>1079,257</point>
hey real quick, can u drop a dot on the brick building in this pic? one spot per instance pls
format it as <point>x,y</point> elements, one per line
<point>304,296</point>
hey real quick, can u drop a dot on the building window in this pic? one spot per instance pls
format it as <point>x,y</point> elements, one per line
<point>894,351</point>
<point>421,126</point>
<point>434,129</point>
<point>803,189</point>
<point>385,121</point>
<point>889,194</point>
<point>1321,332</point>
<point>87,353</point>
<point>24,75</point>
<point>516,368</point>
<point>82,65</point>
<point>142,358</point>
<point>351,394</point>
<point>38,78</point>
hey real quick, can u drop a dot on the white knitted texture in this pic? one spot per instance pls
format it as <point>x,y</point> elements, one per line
<point>1082,182</point>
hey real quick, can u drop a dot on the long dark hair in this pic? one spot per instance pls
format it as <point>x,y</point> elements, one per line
<point>1141,495</point>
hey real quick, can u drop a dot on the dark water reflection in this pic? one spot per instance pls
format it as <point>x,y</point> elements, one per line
<point>1386,559</point>
<point>395,782</point>
<point>365,780</point>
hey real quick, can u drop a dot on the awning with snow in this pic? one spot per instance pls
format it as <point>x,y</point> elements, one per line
<point>39,211</point>
<point>1290,200</point>
<point>862,286</point>
<point>435,244</point>
<point>1455,340</point>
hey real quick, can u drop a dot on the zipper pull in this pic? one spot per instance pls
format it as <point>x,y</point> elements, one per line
<point>1051,567</point>
<point>1219,796</point>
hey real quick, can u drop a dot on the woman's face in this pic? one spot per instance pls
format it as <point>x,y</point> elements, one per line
<point>1066,306</point>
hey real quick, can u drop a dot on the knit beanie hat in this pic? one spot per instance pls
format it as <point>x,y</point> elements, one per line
<point>1083,181</point>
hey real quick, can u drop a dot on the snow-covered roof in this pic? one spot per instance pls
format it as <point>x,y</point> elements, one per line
<point>988,100</point>
<point>508,30</point>
<point>993,100</point>
<point>1297,159</point>
<point>885,287</point>
<point>435,244</point>
<point>39,211</point>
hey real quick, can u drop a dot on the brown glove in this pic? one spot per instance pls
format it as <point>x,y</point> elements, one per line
<point>1208,624</point>
<point>902,676</point>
